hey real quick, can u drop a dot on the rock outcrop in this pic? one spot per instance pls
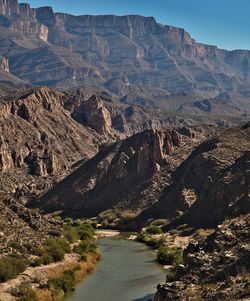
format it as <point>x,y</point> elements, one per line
<point>6,161</point>
<point>4,64</point>
<point>94,114</point>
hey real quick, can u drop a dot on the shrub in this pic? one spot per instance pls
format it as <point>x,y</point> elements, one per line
<point>170,255</point>
<point>86,246</point>
<point>54,249</point>
<point>27,294</point>
<point>10,267</point>
<point>105,223</point>
<point>152,229</point>
<point>170,275</point>
<point>85,231</point>
<point>150,241</point>
<point>70,234</point>
<point>68,220</point>
<point>66,282</point>
<point>79,231</point>
<point>45,259</point>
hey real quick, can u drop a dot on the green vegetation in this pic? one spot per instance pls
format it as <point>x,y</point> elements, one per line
<point>10,267</point>
<point>152,229</point>
<point>111,218</point>
<point>170,255</point>
<point>27,294</point>
<point>85,247</point>
<point>66,282</point>
<point>150,240</point>
<point>53,250</point>
<point>75,231</point>
<point>171,275</point>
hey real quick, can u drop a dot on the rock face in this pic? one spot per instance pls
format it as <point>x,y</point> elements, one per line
<point>6,161</point>
<point>104,181</point>
<point>4,64</point>
<point>159,63</point>
<point>40,138</point>
<point>9,7</point>
<point>216,269</point>
<point>94,114</point>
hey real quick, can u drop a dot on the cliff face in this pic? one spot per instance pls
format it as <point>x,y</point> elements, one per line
<point>94,114</point>
<point>9,7</point>
<point>4,64</point>
<point>133,57</point>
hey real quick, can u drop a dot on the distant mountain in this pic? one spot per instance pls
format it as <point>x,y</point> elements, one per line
<point>132,57</point>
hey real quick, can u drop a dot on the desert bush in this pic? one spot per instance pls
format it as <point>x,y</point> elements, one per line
<point>152,229</point>
<point>85,231</point>
<point>56,248</point>
<point>105,223</point>
<point>53,248</point>
<point>170,275</point>
<point>151,241</point>
<point>10,267</point>
<point>70,234</point>
<point>26,293</point>
<point>79,231</point>
<point>170,255</point>
<point>85,246</point>
<point>66,282</point>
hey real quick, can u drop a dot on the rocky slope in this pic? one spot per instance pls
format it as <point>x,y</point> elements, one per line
<point>120,174</point>
<point>40,140</point>
<point>218,187</point>
<point>215,269</point>
<point>133,57</point>
<point>149,173</point>
<point>21,228</point>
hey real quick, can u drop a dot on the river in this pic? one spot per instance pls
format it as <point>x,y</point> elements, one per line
<point>127,272</point>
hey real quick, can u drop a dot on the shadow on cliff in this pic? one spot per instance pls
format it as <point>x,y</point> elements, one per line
<point>148,297</point>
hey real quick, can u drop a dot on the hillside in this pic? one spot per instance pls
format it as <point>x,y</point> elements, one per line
<point>149,174</point>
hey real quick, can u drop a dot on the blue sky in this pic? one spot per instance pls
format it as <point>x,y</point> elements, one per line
<point>224,23</point>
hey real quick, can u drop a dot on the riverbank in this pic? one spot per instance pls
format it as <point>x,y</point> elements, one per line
<point>35,280</point>
<point>53,269</point>
<point>106,233</point>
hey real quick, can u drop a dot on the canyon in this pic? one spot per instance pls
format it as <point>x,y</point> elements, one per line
<point>125,123</point>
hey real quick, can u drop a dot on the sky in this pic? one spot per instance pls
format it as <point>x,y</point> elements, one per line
<point>224,23</point>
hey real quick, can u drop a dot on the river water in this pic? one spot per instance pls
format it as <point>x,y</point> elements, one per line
<point>127,272</point>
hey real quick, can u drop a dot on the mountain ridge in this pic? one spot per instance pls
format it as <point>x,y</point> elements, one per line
<point>127,56</point>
